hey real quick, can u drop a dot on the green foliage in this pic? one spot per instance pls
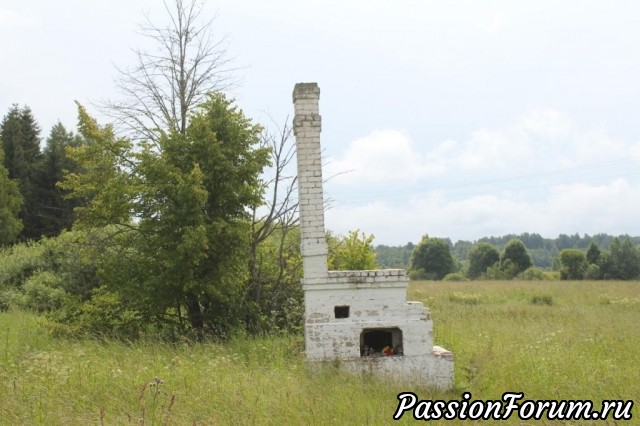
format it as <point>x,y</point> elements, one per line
<point>461,249</point>
<point>508,271</point>
<point>8,299</point>
<point>42,209</point>
<point>42,275</point>
<point>351,253</point>
<point>543,251</point>
<point>10,205</point>
<point>104,315</point>
<point>19,262</point>
<point>397,257</point>
<point>574,264</point>
<point>183,259</point>
<point>496,273</point>
<point>626,260</point>
<point>464,298</point>
<point>481,257</point>
<point>533,274</point>
<point>515,258</point>
<point>57,214</point>
<point>455,276</point>
<point>20,136</point>
<point>274,296</point>
<point>621,261</point>
<point>433,257</point>
<point>104,176</point>
<point>542,300</point>
<point>592,272</point>
<point>43,292</point>
<point>593,254</point>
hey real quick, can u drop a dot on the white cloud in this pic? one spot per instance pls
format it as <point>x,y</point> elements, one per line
<point>568,209</point>
<point>387,156</point>
<point>610,207</point>
<point>12,20</point>
<point>542,140</point>
<point>495,148</point>
<point>493,23</point>
<point>541,174</point>
<point>547,123</point>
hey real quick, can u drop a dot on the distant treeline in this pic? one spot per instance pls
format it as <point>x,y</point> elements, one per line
<point>543,251</point>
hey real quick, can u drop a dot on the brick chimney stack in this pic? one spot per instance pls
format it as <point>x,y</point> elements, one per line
<point>306,128</point>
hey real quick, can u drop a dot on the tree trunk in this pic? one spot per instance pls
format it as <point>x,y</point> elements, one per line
<point>194,313</point>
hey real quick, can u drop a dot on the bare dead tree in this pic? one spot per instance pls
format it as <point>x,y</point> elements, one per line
<point>166,84</point>
<point>280,186</point>
<point>275,220</point>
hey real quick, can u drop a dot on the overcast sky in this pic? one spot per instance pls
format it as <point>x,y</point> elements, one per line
<point>459,119</point>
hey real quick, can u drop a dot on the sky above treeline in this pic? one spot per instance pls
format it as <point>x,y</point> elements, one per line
<point>458,119</point>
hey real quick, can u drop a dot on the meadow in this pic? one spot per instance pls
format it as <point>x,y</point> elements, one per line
<point>550,340</point>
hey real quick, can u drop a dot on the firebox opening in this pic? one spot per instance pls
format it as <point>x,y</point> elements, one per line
<point>381,342</point>
<point>341,311</point>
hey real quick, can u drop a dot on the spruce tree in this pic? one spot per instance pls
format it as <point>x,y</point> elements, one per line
<point>57,213</point>
<point>10,203</point>
<point>20,136</point>
<point>593,254</point>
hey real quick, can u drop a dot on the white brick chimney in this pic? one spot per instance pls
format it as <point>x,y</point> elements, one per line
<point>306,128</point>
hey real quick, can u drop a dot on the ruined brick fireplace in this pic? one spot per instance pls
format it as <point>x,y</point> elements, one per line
<point>360,318</point>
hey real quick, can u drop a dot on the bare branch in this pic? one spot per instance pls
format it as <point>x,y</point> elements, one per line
<point>161,90</point>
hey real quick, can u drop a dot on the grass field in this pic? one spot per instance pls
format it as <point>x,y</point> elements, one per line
<point>564,340</point>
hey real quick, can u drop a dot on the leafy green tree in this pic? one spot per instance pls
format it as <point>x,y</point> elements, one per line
<point>481,257</point>
<point>394,257</point>
<point>432,259</point>
<point>461,250</point>
<point>20,137</point>
<point>606,266</point>
<point>592,272</point>
<point>621,261</point>
<point>533,274</point>
<point>628,260</point>
<point>274,298</point>
<point>161,95</point>
<point>574,264</point>
<point>10,204</point>
<point>593,254</point>
<point>179,208</point>
<point>567,241</point>
<point>353,253</point>
<point>105,178</point>
<point>515,258</point>
<point>57,213</point>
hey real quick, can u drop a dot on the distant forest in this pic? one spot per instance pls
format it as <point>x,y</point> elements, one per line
<point>543,251</point>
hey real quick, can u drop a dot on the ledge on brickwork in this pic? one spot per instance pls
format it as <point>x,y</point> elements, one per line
<point>378,278</point>
<point>369,273</point>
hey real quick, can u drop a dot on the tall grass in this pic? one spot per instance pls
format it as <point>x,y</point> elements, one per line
<point>584,345</point>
